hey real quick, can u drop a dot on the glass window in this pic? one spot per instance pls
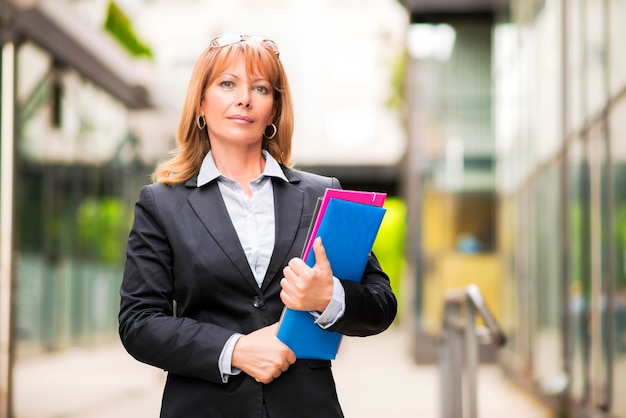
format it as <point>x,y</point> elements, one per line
<point>77,161</point>
<point>579,269</point>
<point>599,257</point>
<point>547,101</point>
<point>506,247</point>
<point>547,358</point>
<point>617,14</point>
<point>574,44</point>
<point>618,211</point>
<point>507,100</point>
<point>595,59</point>
<point>523,272</point>
<point>595,51</point>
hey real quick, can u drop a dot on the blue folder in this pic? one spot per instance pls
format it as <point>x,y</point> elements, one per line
<point>348,231</point>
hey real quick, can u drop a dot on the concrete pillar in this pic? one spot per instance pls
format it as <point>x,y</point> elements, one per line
<point>7,222</point>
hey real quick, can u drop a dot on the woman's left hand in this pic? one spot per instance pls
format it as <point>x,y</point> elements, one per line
<point>308,288</point>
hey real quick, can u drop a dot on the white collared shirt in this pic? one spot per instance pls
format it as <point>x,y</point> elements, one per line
<point>253,219</point>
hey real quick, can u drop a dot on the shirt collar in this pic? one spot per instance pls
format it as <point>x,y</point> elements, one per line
<point>209,172</point>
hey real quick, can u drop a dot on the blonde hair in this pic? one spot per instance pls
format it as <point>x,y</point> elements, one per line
<point>193,143</point>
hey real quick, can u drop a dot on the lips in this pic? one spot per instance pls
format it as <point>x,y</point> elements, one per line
<point>241,118</point>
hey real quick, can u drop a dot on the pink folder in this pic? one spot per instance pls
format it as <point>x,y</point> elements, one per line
<point>370,198</point>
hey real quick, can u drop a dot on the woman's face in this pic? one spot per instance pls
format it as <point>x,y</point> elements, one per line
<point>237,106</point>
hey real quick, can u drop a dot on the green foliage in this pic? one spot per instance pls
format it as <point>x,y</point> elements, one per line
<point>389,244</point>
<point>121,28</point>
<point>103,227</point>
<point>620,245</point>
<point>576,239</point>
<point>398,74</point>
<point>620,224</point>
<point>577,242</point>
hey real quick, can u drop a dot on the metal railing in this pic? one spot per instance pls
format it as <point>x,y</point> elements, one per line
<point>460,342</point>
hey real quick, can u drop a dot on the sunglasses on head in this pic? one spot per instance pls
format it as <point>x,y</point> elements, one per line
<point>229,39</point>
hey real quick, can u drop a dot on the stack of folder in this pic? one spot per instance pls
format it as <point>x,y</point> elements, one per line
<point>348,222</point>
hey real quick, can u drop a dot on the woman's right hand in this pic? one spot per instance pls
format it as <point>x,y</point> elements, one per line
<point>262,355</point>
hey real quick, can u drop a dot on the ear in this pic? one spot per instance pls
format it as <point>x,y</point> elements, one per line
<point>273,115</point>
<point>200,103</point>
<point>200,110</point>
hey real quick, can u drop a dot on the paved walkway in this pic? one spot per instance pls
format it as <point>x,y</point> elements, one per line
<point>376,378</point>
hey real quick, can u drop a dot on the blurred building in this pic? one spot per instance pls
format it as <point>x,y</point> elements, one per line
<point>450,168</point>
<point>500,123</point>
<point>344,60</point>
<point>91,94</point>
<point>517,141</point>
<point>91,121</point>
<point>77,160</point>
<point>71,162</point>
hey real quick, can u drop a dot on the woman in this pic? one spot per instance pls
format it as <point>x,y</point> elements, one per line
<point>212,258</point>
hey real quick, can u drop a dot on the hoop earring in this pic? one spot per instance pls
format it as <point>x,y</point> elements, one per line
<point>201,122</point>
<point>273,133</point>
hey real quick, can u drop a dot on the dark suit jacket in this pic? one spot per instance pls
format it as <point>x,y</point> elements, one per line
<point>187,288</point>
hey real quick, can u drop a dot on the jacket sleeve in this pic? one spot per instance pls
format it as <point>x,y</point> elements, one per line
<point>370,306</point>
<point>148,327</point>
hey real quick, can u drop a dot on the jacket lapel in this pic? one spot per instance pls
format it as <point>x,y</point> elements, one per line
<point>288,206</point>
<point>207,203</point>
<point>209,206</point>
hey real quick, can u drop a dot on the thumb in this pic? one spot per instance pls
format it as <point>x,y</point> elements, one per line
<point>321,260</point>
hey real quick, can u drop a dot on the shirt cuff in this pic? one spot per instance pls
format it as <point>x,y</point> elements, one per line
<point>225,363</point>
<point>335,308</point>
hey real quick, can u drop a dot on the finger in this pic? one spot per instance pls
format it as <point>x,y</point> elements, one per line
<point>284,297</point>
<point>295,268</point>
<point>287,287</point>
<point>293,281</point>
<point>293,272</point>
<point>321,260</point>
<point>287,271</point>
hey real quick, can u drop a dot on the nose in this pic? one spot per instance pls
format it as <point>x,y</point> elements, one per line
<point>244,98</point>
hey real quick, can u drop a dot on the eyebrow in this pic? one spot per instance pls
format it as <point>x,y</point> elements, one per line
<point>236,76</point>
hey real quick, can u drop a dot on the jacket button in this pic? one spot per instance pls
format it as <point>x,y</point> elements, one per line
<point>258,302</point>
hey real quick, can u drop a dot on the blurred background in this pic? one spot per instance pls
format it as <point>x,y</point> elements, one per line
<point>497,128</point>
